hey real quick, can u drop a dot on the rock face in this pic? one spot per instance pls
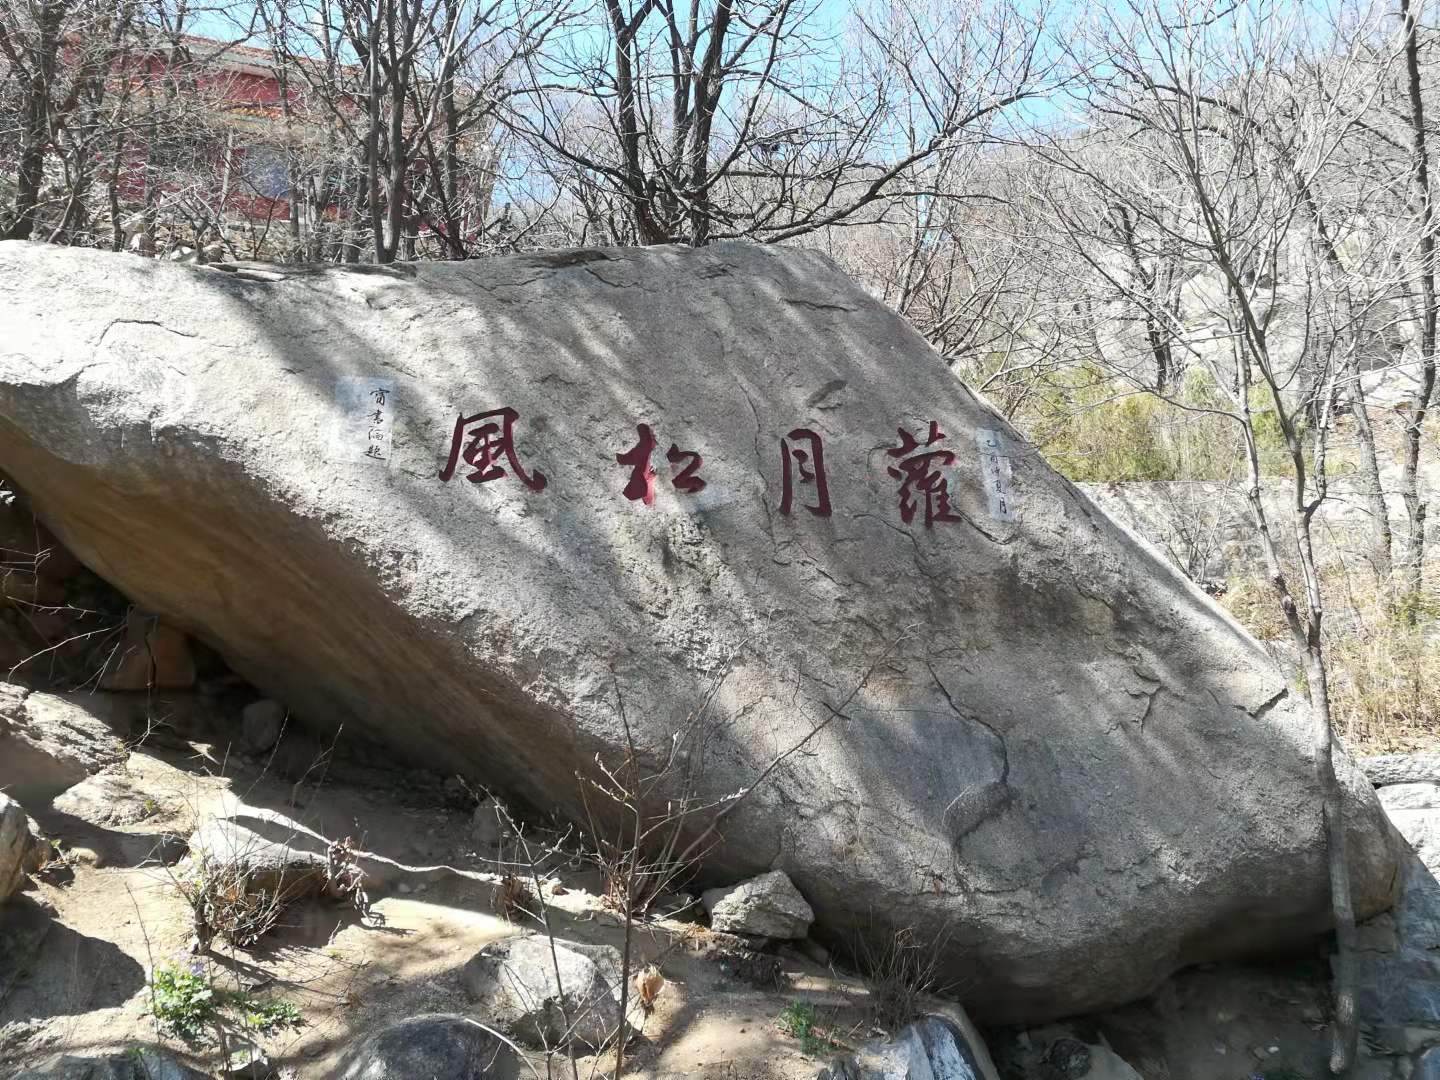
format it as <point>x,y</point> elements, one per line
<point>49,742</point>
<point>767,906</point>
<point>514,985</point>
<point>437,1046</point>
<point>1398,961</point>
<point>19,846</point>
<point>400,499</point>
<point>1386,769</point>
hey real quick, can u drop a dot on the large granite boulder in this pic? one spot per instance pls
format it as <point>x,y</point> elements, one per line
<point>415,500</point>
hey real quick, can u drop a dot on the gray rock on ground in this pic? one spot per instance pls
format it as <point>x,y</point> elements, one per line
<point>280,852</point>
<point>261,723</point>
<point>1383,770</point>
<point>1072,771</point>
<point>765,906</point>
<point>933,1048</point>
<point>513,984</point>
<point>145,1064</point>
<point>436,1046</point>
<point>107,798</point>
<point>276,855</point>
<point>50,742</point>
<point>21,850</point>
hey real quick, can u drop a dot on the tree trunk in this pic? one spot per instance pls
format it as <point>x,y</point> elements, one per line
<point>1413,556</point>
<point>35,122</point>
<point>1369,473</point>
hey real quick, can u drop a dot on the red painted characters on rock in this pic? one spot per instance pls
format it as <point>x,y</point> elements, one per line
<point>482,441</point>
<point>641,485</point>
<point>802,462</point>
<point>921,478</point>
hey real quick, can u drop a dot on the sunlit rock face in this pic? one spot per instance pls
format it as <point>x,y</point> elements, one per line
<point>459,508</point>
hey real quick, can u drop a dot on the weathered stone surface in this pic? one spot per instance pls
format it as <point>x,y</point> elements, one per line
<point>261,723</point>
<point>1386,769</point>
<point>144,1064</point>
<point>107,798</point>
<point>436,1046</point>
<point>1059,756</point>
<point>930,1049</point>
<point>1398,963</point>
<point>767,906</point>
<point>50,742</point>
<point>19,846</point>
<point>276,854</point>
<point>514,985</point>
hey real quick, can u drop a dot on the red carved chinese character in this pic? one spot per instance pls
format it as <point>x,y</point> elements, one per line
<point>811,466</point>
<point>489,441</point>
<point>642,475</point>
<point>921,472</point>
<point>685,480</point>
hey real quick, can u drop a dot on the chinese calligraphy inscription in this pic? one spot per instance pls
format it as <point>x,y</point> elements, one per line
<point>363,426</point>
<point>925,469</point>
<point>482,441</point>
<point>995,473</point>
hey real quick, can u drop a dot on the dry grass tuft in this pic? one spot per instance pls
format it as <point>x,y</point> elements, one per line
<point>900,972</point>
<point>512,898</point>
<point>648,985</point>
<point>1385,687</point>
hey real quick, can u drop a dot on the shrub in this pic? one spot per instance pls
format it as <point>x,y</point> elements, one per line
<point>1108,439</point>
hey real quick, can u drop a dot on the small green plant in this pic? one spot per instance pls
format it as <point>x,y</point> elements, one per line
<point>799,1021</point>
<point>190,1007</point>
<point>271,1016</point>
<point>183,1001</point>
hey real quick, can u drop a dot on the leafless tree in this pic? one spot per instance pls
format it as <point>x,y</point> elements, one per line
<point>760,119</point>
<point>412,88</point>
<point>1192,154</point>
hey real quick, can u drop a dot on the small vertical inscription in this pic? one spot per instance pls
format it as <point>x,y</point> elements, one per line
<point>364,421</point>
<point>995,474</point>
